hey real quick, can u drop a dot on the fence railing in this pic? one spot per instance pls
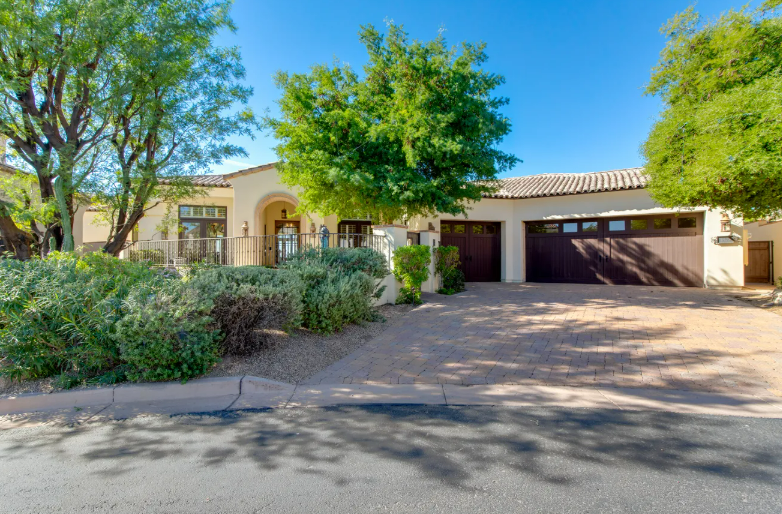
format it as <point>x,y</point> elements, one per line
<point>243,251</point>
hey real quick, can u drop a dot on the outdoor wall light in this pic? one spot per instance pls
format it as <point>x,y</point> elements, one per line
<point>725,222</point>
<point>312,227</point>
<point>284,214</point>
<point>245,229</point>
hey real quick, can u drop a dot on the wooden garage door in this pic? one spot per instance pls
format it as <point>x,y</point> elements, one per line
<point>479,248</point>
<point>650,250</point>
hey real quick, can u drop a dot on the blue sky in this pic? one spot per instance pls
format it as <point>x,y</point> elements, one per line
<point>574,69</point>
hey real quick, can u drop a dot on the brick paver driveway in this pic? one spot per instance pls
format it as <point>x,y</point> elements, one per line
<point>576,335</point>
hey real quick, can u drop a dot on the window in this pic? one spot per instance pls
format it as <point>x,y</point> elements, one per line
<point>615,225</point>
<point>662,223</point>
<point>638,225</point>
<point>366,229</point>
<point>589,226</point>
<point>570,227</point>
<point>347,229</point>
<point>544,228</point>
<point>445,229</point>
<point>491,229</point>
<point>477,229</point>
<point>201,211</point>
<point>459,229</point>
<point>686,223</point>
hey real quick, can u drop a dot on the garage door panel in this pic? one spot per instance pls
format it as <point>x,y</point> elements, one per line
<point>656,250</point>
<point>479,246</point>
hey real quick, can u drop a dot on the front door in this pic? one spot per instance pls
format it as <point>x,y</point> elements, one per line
<point>758,268</point>
<point>287,239</point>
<point>479,248</point>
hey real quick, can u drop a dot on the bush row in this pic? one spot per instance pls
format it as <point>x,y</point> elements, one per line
<point>96,318</point>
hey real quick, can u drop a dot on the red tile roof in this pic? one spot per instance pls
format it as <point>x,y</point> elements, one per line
<point>560,184</point>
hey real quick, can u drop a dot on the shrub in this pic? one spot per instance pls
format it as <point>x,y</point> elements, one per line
<point>447,266</point>
<point>339,285</point>
<point>244,301</point>
<point>167,334</point>
<point>411,266</point>
<point>366,260</point>
<point>58,315</point>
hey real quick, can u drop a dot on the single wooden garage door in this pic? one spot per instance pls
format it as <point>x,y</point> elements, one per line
<point>646,250</point>
<point>479,248</point>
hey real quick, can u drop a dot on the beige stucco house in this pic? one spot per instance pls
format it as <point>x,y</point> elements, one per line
<point>584,228</point>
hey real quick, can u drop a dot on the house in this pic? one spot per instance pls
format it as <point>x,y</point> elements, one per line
<point>598,227</point>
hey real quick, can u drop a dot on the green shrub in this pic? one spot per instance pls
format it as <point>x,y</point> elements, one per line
<point>246,302</point>
<point>411,266</point>
<point>366,260</point>
<point>58,315</point>
<point>166,334</point>
<point>446,264</point>
<point>339,286</point>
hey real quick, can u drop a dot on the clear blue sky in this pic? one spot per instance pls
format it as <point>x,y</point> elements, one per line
<point>574,69</point>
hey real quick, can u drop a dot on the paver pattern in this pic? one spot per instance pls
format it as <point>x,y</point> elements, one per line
<point>576,335</point>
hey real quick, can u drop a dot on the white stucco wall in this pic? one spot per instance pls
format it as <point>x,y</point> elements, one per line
<point>252,189</point>
<point>723,264</point>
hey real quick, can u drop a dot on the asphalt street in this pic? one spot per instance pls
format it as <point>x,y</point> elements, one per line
<point>398,459</point>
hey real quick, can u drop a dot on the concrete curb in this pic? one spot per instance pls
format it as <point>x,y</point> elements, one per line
<point>237,393</point>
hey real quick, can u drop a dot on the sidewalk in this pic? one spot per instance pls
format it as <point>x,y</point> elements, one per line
<point>242,393</point>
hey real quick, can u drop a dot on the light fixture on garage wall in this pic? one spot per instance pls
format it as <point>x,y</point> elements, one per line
<point>725,222</point>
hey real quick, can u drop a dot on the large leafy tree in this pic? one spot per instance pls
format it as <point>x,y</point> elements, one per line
<point>103,97</point>
<point>718,142</point>
<point>416,134</point>
<point>176,115</point>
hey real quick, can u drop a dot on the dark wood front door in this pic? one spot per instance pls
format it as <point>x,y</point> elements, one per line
<point>645,250</point>
<point>479,248</point>
<point>758,269</point>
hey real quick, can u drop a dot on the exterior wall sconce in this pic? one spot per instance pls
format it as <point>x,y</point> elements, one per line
<point>312,227</point>
<point>284,214</point>
<point>245,229</point>
<point>725,222</point>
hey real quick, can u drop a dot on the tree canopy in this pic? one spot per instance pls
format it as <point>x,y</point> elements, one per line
<point>101,99</point>
<point>416,134</point>
<point>718,142</point>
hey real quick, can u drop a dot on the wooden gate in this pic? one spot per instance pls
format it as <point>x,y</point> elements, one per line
<point>758,268</point>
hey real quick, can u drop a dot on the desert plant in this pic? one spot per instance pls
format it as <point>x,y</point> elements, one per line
<point>339,286</point>
<point>58,315</point>
<point>446,264</point>
<point>167,334</point>
<point>248,303</point>
<point>411,266</point>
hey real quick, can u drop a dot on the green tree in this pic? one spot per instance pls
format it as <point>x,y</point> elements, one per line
<point>113,94</point>
<point>417,134</point>
<point>171,120</point>
<point>718,142</point>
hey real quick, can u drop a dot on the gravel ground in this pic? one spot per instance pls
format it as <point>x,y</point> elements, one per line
<point>293,358</point>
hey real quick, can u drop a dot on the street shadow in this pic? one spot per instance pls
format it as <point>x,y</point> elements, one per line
<point>450,445</point>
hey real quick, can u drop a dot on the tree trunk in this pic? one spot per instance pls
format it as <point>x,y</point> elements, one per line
<point>117,243</point>
<point>17,240</point>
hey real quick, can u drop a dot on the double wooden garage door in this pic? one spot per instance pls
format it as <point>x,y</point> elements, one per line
<point>645,250</point>
<point>479,248</point>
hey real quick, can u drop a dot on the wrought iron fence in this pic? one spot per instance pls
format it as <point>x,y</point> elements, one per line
<point>242,251</point>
